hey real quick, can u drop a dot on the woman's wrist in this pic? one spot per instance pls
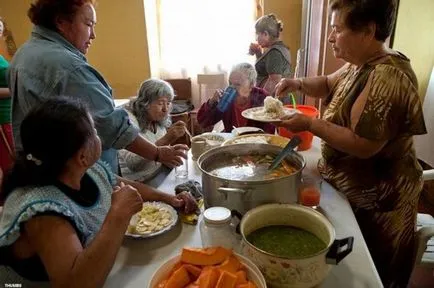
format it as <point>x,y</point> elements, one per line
<point>300,84</point>
<point>157,156</point>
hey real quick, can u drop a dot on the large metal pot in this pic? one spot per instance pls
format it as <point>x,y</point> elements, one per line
<point>245,195</point>
<point>302,272</point>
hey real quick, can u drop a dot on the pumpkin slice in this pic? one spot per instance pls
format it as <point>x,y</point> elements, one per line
<point>179,279</point>
<point>231,265</point>
<point>241,277</point>
<point>226,280</point>
<point>208,278</point>
<point>205,256</point>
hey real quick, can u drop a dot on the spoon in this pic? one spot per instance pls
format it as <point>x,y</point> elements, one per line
<point>295,140</point>
<point>188,133</point>
<point>236,130</point>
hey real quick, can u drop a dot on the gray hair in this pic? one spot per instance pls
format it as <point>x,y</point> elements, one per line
<point>270,24</point>
<point>150,90</point>
<point>246,69</point>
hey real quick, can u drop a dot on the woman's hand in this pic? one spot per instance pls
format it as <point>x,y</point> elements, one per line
<point>185,202</point>
<point>176,130</point>
<point>126,201</point>
<point>296,122</point>
<point>287,85</point>
<point>171,156</point>
<point>217,96</point>
<point>255,49</point>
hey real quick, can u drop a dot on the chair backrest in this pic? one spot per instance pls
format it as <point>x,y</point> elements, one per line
<point>208,83</point>
<point>182,87</point>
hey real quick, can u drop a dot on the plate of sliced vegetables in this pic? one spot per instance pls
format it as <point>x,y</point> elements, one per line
<point>195,267</point>
<point>154,219</point>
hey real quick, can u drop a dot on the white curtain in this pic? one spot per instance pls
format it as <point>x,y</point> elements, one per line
<point>190,37</point>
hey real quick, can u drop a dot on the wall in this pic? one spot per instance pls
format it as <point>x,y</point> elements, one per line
<point>120,50</point>
<point>414,37</point>
<point>290,13</point>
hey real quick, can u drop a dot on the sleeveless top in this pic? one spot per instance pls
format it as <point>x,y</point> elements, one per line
<point>26,202</point>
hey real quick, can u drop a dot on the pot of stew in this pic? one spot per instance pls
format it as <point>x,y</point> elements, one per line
<point>292,245</point>
<point>237,176</point>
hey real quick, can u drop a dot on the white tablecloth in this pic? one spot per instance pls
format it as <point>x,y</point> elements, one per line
<point>138,259</point>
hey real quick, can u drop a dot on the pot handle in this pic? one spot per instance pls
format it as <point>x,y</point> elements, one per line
<point>335,254</point>
<point>235,213</point>
<point>226,190</point>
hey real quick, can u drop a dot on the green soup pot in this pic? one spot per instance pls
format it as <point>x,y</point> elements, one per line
<point>301,272</point>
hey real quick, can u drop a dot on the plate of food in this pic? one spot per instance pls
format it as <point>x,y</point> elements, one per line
<point>154,219</point>
<point>258,138</point>
<point>272,111</point>
<point>211,265</point>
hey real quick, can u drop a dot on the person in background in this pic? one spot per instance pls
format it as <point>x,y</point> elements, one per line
<point>53,63</point>
<point>6,140</point>
<point>242,77</point>
<point>275,62</point>
<point>66,213</point>
<point>367,131</point>
<point>150,112</point>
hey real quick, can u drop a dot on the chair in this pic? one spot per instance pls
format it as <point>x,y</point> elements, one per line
<point>182,88</point>
<point>207,83</point>
<point>425,233</point>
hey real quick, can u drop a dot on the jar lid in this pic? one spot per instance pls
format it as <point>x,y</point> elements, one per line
<point>217,215</point>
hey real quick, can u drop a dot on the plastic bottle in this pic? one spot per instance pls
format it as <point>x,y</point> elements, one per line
<point>227,98</point>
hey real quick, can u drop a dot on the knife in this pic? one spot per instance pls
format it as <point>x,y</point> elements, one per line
<point>295,140</point>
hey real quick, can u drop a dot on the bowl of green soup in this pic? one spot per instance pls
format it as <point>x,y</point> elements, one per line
<point>292,245</point>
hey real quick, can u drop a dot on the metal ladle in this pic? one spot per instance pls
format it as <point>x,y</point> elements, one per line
<point>289,148</point>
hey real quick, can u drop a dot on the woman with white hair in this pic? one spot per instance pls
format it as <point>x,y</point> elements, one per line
<point>242,77</point>
<point>274,63</point>
<point>150,112</point>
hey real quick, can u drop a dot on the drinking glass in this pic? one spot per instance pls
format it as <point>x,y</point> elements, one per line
<point>310,191</point>
<point>182,170</point>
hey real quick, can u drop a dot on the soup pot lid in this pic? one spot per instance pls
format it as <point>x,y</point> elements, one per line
<point>217,215</point>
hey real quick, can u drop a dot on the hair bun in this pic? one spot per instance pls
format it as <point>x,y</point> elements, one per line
<point>280,26</point>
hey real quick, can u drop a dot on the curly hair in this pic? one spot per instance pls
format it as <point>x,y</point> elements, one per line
<point>270,24</point>
<point>45,12</point>
<point>150,90</point>
<point>359,13</point>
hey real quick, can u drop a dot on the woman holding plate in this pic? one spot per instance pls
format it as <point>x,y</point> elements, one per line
<point>242,78</point>
<point>66,213</point>
<point>367,130</point>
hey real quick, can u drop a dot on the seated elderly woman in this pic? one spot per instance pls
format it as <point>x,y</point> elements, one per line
<point>243,78</point>
<point>150,112</point>
<point>66,213</point>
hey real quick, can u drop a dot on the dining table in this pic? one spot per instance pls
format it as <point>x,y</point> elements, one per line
<point>138,259</point>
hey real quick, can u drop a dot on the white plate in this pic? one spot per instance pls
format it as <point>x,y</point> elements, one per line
<point>238,131</point>
<point>250,114</point>
<point>172,223</point>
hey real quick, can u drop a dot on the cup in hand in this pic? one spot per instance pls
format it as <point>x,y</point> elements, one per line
<point>182,170</point>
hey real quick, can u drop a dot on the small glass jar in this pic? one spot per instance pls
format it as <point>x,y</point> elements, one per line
<point>216,229</point>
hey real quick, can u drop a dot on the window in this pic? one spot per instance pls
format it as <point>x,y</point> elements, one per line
<point>189,37</point>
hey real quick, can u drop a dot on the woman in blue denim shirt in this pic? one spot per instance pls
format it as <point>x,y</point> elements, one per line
<point>52,63</point>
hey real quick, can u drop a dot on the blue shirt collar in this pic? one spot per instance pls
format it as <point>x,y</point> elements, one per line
<point>42,32</point>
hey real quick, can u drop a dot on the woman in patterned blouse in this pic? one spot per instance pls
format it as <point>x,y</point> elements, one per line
<point>367,131</point>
